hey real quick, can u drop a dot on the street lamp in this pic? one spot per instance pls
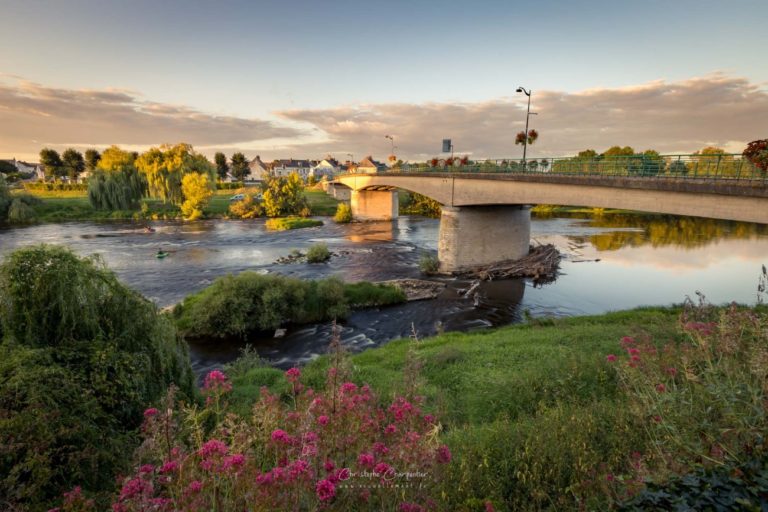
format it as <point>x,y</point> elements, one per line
<point>527,116</point>
<point>392,140</point>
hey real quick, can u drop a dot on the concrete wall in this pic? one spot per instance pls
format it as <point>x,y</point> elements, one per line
<point>374,204</point>
<point>699,198</point>
<point>472,236</point>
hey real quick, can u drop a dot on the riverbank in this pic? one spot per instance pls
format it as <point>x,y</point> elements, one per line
<point>68,206</point>
<point>555,413</point>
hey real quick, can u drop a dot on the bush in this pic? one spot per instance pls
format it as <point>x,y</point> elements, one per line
<point>343,213</point>
<point>246,208</point>
<point>428,263</point>
<point>286,223</point>
<point>5,198</point>
<point>365,294</point>
<point>81,354</point>
<point>318,253</point>
<point>249,302</point>
<point>20,212</point>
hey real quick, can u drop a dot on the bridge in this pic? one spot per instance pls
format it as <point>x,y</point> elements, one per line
<point>485,214</point>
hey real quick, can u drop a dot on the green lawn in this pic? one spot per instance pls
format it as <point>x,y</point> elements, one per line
<point>60,206</point>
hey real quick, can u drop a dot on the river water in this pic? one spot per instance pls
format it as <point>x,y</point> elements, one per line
<point>611,262</point>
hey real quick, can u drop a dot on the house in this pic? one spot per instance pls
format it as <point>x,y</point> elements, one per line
<point>258,170</point>
<point>286,167</point>
<point>327,167</point>
<point>370,166</point>
<point>28,169</point>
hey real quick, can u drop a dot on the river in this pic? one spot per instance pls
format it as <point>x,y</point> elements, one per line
<point>611,262</point>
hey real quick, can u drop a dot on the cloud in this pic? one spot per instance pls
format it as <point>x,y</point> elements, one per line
<point>33,116</point>
<point>681,116</point>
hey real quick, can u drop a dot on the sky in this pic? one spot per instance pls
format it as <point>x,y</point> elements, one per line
<point>305,78</point>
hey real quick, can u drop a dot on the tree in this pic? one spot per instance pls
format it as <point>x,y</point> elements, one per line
<point>73,163</point>
<point>240,167</point>
<point>116,183</point>
<point>81,355</point>
<point>51,162</point>
<point>222,168</point>
<point>197,189</point>
<point>92,158</point>
<point>7,167</point>
<point>618,151</point>
<point>284,196</point>
<point>587,154</point>
<point>757,153</point>
<point>165,166</point>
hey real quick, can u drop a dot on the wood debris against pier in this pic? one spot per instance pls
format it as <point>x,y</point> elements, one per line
<point>541,263</point>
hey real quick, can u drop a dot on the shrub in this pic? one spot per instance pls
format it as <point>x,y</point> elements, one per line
<point>20,212</point>
<point>286,223</point>
<point>249,302</point>
<point>757,153</point>
<point>246,208</point>
<point>428,263</point>
<point>343,213</point>
<point>197,189</point>
<point>80,356</point>
<point>318,253</point>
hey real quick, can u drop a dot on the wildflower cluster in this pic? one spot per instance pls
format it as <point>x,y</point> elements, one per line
<point>703,398</point>
<point>332,450</point>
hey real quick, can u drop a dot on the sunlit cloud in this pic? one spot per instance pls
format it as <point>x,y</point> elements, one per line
<point>33,115</point>
<point>670,117</point>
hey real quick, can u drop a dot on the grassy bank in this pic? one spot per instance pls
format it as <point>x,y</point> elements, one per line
<point>542,416</point>
<point>64,206</point>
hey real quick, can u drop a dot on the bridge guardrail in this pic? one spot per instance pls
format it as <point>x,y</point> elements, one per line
<point>716,167</point>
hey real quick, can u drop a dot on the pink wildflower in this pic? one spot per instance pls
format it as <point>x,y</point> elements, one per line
<point>146,468</point>
<point>169,467</point>
<point>382,468</point>
<point>329,466</point>
<point>671,371</point>
<point>390,429</point>
<point>212,447</point>
<point>323,420</point>
<point>293,374</point>
<point>410,507</point>
<point>661,388</point>
<point>216,381</point>
<point>365,460</point>
<point>150,412</point>
<point>380,448</point>
<point>610,358</point>
<point>348,387</point>
<point>233,461</point>
<point>489,507</point>
<point>195,486</point>
<point>325,490</point>
<point>281,435</point>
<point>443,455</point>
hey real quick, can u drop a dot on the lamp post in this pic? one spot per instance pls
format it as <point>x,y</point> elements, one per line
<point>392,140</point>
<point>527,116</point>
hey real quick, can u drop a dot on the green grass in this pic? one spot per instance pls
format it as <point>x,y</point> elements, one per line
<point>365,294</point>
<point>286,223</point>
<point>531,412</point>
<point>473,378</point>
<point>62,206</point>
<point>321,203</point>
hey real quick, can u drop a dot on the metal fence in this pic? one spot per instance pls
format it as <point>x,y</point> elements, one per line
<point>725,167</point>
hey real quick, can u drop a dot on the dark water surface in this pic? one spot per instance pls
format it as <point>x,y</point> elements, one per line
<point>642,261</point>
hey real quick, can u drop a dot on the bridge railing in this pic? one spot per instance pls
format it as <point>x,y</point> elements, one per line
<point>721,167</point>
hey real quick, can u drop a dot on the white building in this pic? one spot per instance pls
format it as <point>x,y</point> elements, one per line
<point>286,167</point>
<point>258,170</point>
<point>370,166</point>
<point>327,167</point>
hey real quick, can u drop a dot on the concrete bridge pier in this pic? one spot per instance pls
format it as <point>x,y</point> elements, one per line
<point>374,204</point>
<point>473,236</point>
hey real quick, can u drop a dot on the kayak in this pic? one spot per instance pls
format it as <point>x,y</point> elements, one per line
<point>161,255</point>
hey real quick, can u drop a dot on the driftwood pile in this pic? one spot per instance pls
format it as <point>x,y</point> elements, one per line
<point>541,263</point>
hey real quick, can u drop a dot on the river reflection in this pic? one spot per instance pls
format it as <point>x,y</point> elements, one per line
<point>612,262</point>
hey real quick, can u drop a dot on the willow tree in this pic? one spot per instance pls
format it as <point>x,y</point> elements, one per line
<point>164,167</point>
<point>116,184</point>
